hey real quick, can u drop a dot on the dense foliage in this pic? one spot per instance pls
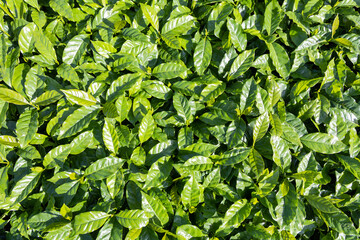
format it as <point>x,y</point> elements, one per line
<point>179,119</point>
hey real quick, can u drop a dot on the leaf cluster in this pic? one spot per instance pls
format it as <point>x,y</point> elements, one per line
<point>179,119</point>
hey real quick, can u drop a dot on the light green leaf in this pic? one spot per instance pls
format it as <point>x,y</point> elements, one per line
<point>44,46</point>
<point>25,185</point>
<point>248,96</point>
<point>261,127</point>
<point>26,126</point>
<point>280,59</point>
<point>57,156</point>
<point>188,232</point>
<point>202,56</point>
<point>169,70</point>
<point>13,97</point>
<point>212,91</point>
<point>9,141</point>
<point>199,163</point>
<point>47,98</point>
<point>87,222</point>
<point>182,106</point>
<point>323,143</point>
<point>241,64</point>
<point>178,26</point>
<point>75,48</point>
<point>26,37</point>
<point>79,97</point>
<point>155,207</point>
<point>273,17</point>
<point>133,219</point>
<point>237,35</point>
<point>68,73</point>
<point>192,194</point>
<point>110,136</point>
<point>62,7</point>
<point>234,156</point>
<point>77,121</point>
<point>103,168</point>
<point>103,48</point>
<point>150,15</point>
<point>235,215</point>
<point>321,204</point>
<point>147,127</point>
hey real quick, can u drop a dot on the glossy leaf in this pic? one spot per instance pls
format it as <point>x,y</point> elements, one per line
<point>202,56</point>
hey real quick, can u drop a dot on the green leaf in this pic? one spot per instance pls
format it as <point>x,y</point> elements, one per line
<point>111,230</point>
<point>46,221</point>
<point>182,106</point>
<point>150,15</point>
<point>202,56</point>
<point>188,231</point>
<point>281,152</point>
<point>110,136</point>
<point>13,97</point>
<point>103,168</point>
<point>351,164</point>
<point>9,141</point>
<point>157,89</point>
<point>133,219</point>
<point>77,121</point>
<point>178,26</point>
<point>273,16</point>
<point>155,208</point>
<point>321,204</point>
<point>122,84</point>
<point>27,126</point>
<point>103,48</point>
<point>248,96</point>
<point>47,98</point>
<point>62,7</point>
<point>147,127</point>
<point>44,46</point>
<point>75,48</point>
<point>192,194</point>
<point>68,73</point>
<point>25,186</point>
<point>87,222</point>
<point>237,34</point>
<point>212,91</point>
<point>234,156</point>
<point>57,156</point>
<point>280,59</point>
<point>241,64</point>
<point>235,215</point>
<point>323,143</point>
<point>261,127</point>
<point>169,70</point>
<point>79,97</point>
<point>288,201</point>
<point>199,163</point>
<point>27,37</point>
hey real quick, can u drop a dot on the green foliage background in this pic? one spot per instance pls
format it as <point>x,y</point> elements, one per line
<point>176,119</point>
